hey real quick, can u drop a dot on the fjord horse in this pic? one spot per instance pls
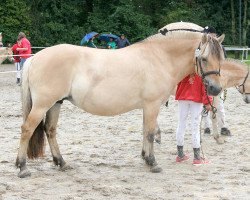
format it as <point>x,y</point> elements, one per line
<point>233,74</point>
<point>5,52</point>
<point>107,83</point>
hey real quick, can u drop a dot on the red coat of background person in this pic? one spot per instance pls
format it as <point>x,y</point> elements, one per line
<point>25,44</point>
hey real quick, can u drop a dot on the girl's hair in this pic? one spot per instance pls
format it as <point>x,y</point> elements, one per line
<point>21,35</point>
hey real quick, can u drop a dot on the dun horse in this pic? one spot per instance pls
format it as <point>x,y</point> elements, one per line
<point>107,83</point>
<point>5,52</point>
<point>233,74</point>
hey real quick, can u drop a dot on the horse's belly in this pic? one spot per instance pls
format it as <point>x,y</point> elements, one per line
<point>107,108</point>
<point>108,103</point>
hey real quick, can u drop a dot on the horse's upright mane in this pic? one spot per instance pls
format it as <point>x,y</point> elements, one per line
<point>180,30</point>
<point>182,26</point>
<point>186,30</point>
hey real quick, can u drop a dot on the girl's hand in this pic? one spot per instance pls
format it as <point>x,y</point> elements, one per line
<point>208,107</point>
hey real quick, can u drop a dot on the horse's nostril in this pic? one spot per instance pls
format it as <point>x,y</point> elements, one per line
<point>214,90</point>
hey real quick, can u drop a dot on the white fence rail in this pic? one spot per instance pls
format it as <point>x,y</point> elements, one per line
<point>244,50</point>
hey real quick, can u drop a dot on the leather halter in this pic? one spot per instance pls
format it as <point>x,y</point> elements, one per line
<point>199,66</point>
<point>243,84</point>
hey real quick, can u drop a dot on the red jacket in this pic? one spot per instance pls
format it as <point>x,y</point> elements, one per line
<point>25,43</point>
<point>191,88</point>
<point>15,52</point>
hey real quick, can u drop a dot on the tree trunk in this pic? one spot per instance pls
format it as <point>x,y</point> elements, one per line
<point>233,28</point>
<point>245,26</point>
<point>244,31</point>
<point>233,22</point>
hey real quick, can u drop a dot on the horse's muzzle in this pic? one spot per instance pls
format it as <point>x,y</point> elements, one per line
<point>212,87</point>
<point>246,98</point>
<point>213,90</point>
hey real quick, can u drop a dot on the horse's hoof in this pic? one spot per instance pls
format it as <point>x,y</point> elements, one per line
<point>220,140</point>
<point>150,160</point>
<point>158,141</point>
<point>225,132</point>
<point>155,169</point>
<point>143,154</point>
<point>24,173</point>
<point>65,167</point>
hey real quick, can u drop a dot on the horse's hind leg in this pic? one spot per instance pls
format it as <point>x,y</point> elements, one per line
<point>50,128</point>
<point>158,135</point>
<point>150,128</point>
<point>29,126</point>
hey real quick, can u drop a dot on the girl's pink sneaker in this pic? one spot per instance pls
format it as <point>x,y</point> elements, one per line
<point>201,161</point>
<point>184,158</point>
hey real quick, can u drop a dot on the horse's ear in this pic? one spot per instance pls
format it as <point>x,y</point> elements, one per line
<point>204,38</point>
<point>221,38</point>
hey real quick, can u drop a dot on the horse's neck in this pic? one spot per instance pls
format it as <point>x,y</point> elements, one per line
<point>4,52</point>
<point>233,74</point>
<point>2,59</point>
<point>180,57</point>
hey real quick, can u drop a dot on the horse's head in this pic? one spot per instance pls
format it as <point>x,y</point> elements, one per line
<point>9,53</point>
<point>208,57</point>
<point>246,98</point>
<point>5,52</point>
<point>244,88</point>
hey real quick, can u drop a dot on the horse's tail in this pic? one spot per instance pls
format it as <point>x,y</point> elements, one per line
<point>36,143</point>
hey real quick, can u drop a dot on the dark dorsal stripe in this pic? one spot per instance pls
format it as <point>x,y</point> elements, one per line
<point>165,30</point>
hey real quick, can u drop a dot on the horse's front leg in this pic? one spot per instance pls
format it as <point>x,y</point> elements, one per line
<point>150,128</point>
<point>214,127</point>
<point>214,120</point>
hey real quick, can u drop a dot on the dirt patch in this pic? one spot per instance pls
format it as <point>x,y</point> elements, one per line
<point>105,155</point>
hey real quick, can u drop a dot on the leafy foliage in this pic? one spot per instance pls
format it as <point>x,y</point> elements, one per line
<point>48,22</point>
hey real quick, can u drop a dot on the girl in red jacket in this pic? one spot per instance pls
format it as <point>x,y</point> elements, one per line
<point>191,97</point>
<point>17,61</point>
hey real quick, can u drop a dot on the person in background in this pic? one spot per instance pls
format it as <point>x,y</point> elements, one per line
<point>1,38</point>
<point>122,42</point>
<point>17,61</point>
<point>191,97</point>
<point>91,43</point>
<point>111,44</point>
<point>24,48</point>
<point>220,108</point>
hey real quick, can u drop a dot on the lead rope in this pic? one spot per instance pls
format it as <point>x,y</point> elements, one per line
<point>204,113</point>
<point>202,152</point>
<point>224,96</point>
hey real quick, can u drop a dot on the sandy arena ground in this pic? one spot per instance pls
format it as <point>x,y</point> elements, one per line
<point>105,155</point>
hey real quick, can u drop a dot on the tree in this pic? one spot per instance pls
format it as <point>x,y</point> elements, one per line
<point>47,22</point>
<point>233,22</point>
<point>122,18</point>
<point>14,17</point>
<point>245,24</point>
